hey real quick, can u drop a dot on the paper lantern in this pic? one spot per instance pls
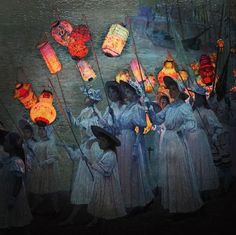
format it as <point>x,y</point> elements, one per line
<point>60,31</point>
<point>77,49</point>
<point>183,75</point>
<point>123,76</point>
<point>115,40</point>
<point>50,57</point>
<point>206,70</point>
<point>148,86</point>
<point>43,112</point>
<point>25,94</point>
<point>167,70</point>
<point>81,32</point>
<point>86,71</point>
<point>220,44</point>
<point>137,70</point>
<point>148,126</point>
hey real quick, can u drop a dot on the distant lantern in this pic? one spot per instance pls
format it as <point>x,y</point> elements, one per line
<point>115,40</point>
<point>183,75</point>
<point>206,70</point>
<point>81,32</point>
<point>167,70</point>
<point>148,87</point>
<point>25,94</point>
<point>50,57</point>
<point>60,31</point>
<point>220,44</point>
<point>43,113</point>
<point>137,70</point>
<point>86,71</point>
<point>123,76</point>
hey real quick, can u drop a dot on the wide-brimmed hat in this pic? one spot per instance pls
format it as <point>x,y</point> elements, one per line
<point>111,84</point>
<point>198,89</point>
<point>100,132</point>
<point>134,86</point>
<point>168,81</point>
<point>91,93</point>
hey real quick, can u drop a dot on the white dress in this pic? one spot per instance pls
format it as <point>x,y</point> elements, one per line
<point>132,166</point>
<point>20,214</point>
<point>106,201</point>
<point>200,150</point>
<point>176,173</point>
<point>83,181</point>
<point>45,179</point>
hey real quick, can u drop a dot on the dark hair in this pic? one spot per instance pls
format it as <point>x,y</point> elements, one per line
<point>203,102</point>
<point>120,94</point>
<point>165,97</point>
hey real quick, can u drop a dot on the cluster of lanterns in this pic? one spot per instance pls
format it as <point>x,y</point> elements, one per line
<point>41,108</point>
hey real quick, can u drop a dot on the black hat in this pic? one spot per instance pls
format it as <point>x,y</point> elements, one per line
<point>111,84</point>
<point>100,132</point>
<point>168,81</point>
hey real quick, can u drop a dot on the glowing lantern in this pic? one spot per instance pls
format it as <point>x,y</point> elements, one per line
<point>77,48</point>
<point>183,75</point>
<point>86,70</point>
<point>148,126</point>
<point>206,70</point>
<point>81,32</point>
<point>148,87</point>
<point>43,112</point>
<point>50,57</point>
<point>115,40</point>
<point>25,94</point>
<point>60,31</point>
<point>123,76</point>
<point>137,70</point>
<point>167,70</point>
<point>220,44</point>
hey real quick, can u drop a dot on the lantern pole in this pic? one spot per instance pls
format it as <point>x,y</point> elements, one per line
<point>68,122</point>
<point>96,59</point>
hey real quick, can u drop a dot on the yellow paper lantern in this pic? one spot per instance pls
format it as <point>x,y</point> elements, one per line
<point>25,94</point>
<point>115,40</point>
<point>43,112</point>
<point>123,76</point>
<point>86,71</point>
<point>50,57</point>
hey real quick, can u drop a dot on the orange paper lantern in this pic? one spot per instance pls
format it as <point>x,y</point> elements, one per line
<point>50,57</point>
<point>77,48</point>
<point>137,70</point>
<point>86,71</point>
<point>43,112</point>
<point>115,40</point>
<point>25,94</point>
<point>123,76</point>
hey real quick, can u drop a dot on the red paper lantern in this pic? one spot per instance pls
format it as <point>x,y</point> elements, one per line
<point>43,112</point>
<point>77,49</point>
<point>86,71</point>
<point>115,40</point>
<point>25,94</point>
<point>81,32</point>
<point>60,31</point>
<point>137,70</point>
<point>206,70</point>
<point>50,57</point>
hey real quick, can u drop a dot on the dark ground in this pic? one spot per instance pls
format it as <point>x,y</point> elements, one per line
<point>217,217</point>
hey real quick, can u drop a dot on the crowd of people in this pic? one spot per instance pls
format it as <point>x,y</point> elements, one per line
<point>112,175</point>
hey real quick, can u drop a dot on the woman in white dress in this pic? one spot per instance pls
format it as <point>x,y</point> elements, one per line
<point>132,166</point>
<point>106,200</point>
<point>176,173</point>
<point>14,208</point>
<point>45,176</point>
<point>83,180</point>
<point>200,148</point>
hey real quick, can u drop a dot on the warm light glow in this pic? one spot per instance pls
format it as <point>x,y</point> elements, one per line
<point>220,43</point>
<point>86,71</point>
<point>77,48</point>
<point>148,126</point>
<point>50,57</point>
<point>123,76</point>
<point>183,75</point>
<point>25,94</point>
<point>44,111</point>
<point>137,70</point>
<point>115,40</point>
